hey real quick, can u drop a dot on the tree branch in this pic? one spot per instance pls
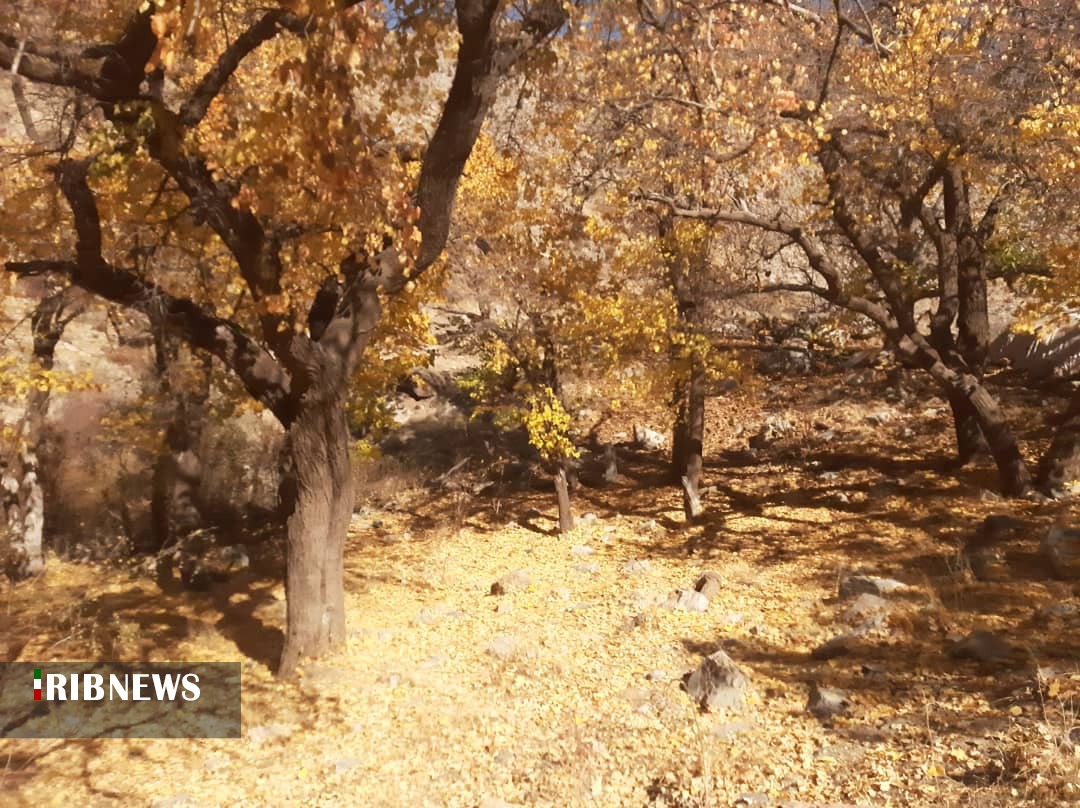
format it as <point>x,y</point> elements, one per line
<point>261,375</point>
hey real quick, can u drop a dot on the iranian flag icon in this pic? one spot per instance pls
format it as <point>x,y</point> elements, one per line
<point>37,684</point>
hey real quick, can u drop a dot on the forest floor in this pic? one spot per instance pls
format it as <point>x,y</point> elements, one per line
<point>566,690</point>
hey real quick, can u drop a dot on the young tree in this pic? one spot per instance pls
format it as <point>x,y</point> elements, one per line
<point>275,134</point>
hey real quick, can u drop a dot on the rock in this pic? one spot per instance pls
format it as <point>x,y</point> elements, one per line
<point>587,518</point>
<point>983,646</point>
<point>785,362</point>
<point>512,582</point>
<point>727,730</point>
<point>717,683</point>
<point>342,765</point>
<point>854,585</point>
<point>587,568</point>
<point>1058,611</point>
<point>825,703</point>
<point>636,567</point>
<point>879,418</point>
<point>504,607</point>
<point>752,800</point>
<point>708,585</point>
<point>178,801</point>
<point>581,550</point>
<point>648,439</point>
<point>657,676</point>
<point>269,732</point>
<point>774,428</point>
<point>1061,549</point>
<point>864,606</point>
<point>502,646</point>
<point>687,600</point>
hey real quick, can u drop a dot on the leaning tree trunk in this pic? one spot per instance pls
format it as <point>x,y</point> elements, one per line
<point>1060,465</point>
<point>318,444</point>
<point>1012,470</point>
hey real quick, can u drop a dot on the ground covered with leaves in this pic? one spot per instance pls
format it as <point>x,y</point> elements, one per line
<point>492,662</point>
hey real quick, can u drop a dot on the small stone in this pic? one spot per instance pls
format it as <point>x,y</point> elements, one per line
<point>825,703</point>
<point>648,439</point>
<point>854,585</point>
<point>752,800</point>
<point>879,418</point>
<point>1061,549</point>
<point>657,676</point>
<point>729,729</point>
<point>178,801</point>
<point>587,518</point>
<point>342,765</point>
<point>983,646</point>
<point>687,600</point>
<point>511,582</point>
<point>425,617</point>
<point>708,585</point>
<point>268,732</point>
<point>581,551</point>
<point>502,646</point>
<point>1057,611</point>
<point>866,605</point>
<point>636,567</point>
<point>504,607</point>
<point>717,683</point>
<point>587,568</point>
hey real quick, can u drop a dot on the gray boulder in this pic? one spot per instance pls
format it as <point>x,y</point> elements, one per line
<point>1061,549</point>
<point>717,683</point>
<point>852,586</point>
<point>825,703</point>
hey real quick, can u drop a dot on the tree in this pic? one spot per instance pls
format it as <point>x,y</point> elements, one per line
<point>908,140</point>
<point>271,148</point>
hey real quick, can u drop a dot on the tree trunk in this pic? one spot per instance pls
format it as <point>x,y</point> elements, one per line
<point>562,492</point>
<point>680,431</point>
<point>695,437</point>
<point>22,511</point>
<point>318,442</point>
<point>22,502</point>
<point>1059,467</point>
<point>1012,470</point>
<point>970,442</point>
<point>611,464</point>
<point>174,500</point>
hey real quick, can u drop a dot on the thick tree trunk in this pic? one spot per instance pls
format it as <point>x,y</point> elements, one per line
<point>22,502</point>
<point>562,492</point>
<point>22,512</point>
<point>318,443</point>
<point>1059,467</point>
<point>969,437</point>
